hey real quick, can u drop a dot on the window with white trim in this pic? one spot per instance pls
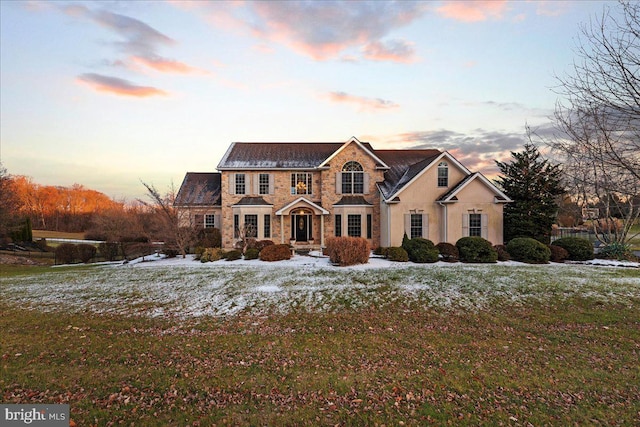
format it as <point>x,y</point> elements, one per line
<point>267,226</point>
<point>443,174</point>
<point>251,225</point>
<point>241,183</point>
<point>209,220</point>
<point>416,226</point>
<point>352,178</point>
<point>354,225</point>
<point>263,183</point>
<point>475,224</point>
<point>338,228</point>
<point>301,183</point>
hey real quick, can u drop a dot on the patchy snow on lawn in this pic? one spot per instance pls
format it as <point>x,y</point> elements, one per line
<point>186,288</point>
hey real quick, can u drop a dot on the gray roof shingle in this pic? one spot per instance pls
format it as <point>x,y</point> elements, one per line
<point>200,189</point>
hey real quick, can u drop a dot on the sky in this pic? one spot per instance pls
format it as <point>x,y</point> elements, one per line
<point>111,93</point>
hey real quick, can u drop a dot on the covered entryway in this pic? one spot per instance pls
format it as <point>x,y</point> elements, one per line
<point>305,222</point>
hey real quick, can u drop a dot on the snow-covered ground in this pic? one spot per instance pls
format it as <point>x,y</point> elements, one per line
<point>187,288</point>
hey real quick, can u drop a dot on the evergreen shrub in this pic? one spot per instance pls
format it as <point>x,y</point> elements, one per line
<point>526,249</point>
<point>233,255</point>
<point>251,253</point>
<point>579,249</point>
<point>476,250</point>
<point>421,250</point>
<point>398,254</point>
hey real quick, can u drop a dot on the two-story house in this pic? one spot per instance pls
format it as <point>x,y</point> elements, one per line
<point>302,193</point>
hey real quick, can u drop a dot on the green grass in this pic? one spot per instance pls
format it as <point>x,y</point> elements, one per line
<point>373,358</point>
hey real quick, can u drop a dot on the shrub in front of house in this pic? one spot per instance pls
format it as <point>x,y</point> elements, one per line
<point>380,251</point>
<point>579,249</point>
<point>233,255</point>
<point>211,254</point>
<point>348,250</point>
<point>251,253</point>
<point>86,252</point>
<point>170,253</point>
<point>526,249</point>
<point>503,254</point>
<point>617,251</point>
<point>398,254</point>
<point>66,253</point>
<point>558,254</point>
<point>448,252</point>
<point>261,244</point>
<point>209,238</point>
<point>476,250</point>
<point>420,250</point>
<point>279,252</point>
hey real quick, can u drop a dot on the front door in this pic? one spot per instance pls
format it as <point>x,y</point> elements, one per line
<point>302,226</point>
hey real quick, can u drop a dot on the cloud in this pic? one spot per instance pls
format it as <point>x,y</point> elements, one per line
<point>392,50</point>
<point>322,30</point>
<point>473,11</point>
<point>118,86</point>
<point>477,150</point>
<point>140,42</point>
<point>363,103</point>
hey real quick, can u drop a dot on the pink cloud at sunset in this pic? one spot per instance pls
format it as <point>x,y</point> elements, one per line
<point>165,65</point>
<point>118,86</point>
<point>473,11</point>
<point>393,50</point>
<point>363,103</point>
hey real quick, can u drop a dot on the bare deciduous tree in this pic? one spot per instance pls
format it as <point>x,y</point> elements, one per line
<point>598,122</point>
<point>176,227</point>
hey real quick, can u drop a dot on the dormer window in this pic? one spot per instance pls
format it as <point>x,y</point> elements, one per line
<point>443,174</point>
<point>352,178</point>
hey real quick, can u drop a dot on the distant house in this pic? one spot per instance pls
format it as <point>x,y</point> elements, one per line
<point>304,193</point>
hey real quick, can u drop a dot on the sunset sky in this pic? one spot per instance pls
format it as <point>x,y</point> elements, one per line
<point>109,93</point>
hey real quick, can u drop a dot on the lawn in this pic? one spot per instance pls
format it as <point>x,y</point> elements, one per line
<point>307,344</point>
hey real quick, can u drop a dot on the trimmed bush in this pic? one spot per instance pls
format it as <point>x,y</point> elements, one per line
<point>233,255</point>
<point>275,253</point>
<point>526,249</point>
<point>251,253</point>
<point>66,253</point>
<point>579,249</point>
<point>209,238</point>
<point>380,251</point>
<point>211,254</point>
<point>170,253</point>
<point>421,250</point>
<point>477,250</point>
<point>448,252</point>
<point>86,252</point>
<point>396,253</point>
<point>261,244</point>
<point>558,254</point>
<point>348,250</point>
<point>503,254</point>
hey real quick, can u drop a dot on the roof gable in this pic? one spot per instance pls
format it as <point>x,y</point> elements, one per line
<point>365,147</point>
<point>451,195</point>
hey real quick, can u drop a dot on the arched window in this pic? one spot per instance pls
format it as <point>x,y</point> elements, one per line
<point>352,178</point>
<point>443,174</point>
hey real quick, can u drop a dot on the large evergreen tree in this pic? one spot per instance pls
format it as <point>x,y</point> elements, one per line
<point>534,185</point>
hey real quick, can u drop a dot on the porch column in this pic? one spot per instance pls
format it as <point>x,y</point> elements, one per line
<point>321,230</point>
<point>282,229</point>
